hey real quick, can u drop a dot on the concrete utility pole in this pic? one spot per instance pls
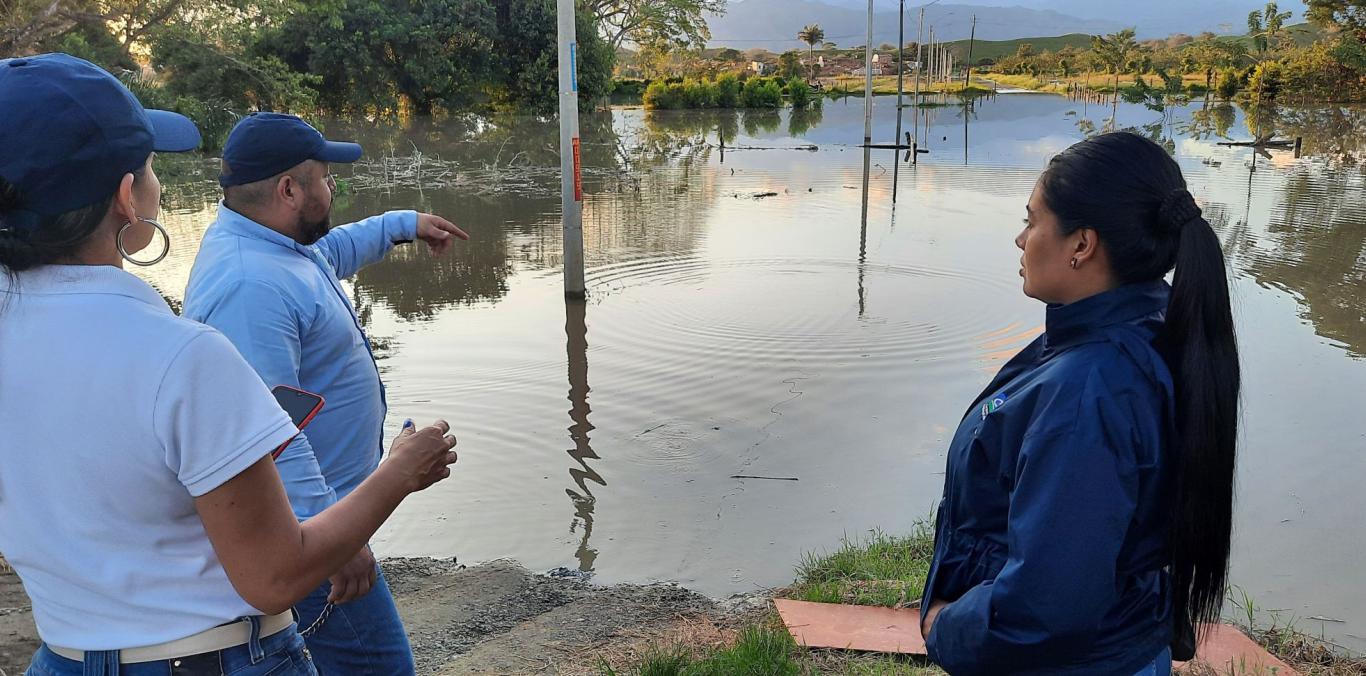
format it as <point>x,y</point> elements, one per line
<point>972,42</point>
<point>868,85</point>
<point>900,66</point>
<point>900,94</point>
<point>919,55</point>
<point>571,159</point>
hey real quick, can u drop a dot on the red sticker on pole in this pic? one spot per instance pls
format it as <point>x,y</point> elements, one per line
<point>578,172</point>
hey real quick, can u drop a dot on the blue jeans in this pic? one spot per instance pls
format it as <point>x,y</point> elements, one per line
<point>363,638</point>
<point>1162,666</point>
<point>281,654</point>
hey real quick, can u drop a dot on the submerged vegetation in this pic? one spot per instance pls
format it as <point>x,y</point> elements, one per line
<point>728,91</point>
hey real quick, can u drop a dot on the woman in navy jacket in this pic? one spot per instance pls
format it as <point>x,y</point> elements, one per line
<point>1087,506</point>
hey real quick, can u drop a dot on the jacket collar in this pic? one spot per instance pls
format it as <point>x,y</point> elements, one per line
<point>1076,322</point>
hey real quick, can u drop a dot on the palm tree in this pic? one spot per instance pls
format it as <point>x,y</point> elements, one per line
<point>812,35</point>
<point>1264,27</point>
<point>1113,51</point>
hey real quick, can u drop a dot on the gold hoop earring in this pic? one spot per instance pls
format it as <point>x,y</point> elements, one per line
<point>165,238</point>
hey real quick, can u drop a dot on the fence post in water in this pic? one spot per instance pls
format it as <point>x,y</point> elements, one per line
<point>571,162</point>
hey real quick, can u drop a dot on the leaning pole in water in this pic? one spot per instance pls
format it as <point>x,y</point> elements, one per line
<point>571,156</point>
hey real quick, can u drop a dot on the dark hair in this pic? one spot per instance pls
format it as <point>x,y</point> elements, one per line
<point>1132,194</point>
<point>55,238</point>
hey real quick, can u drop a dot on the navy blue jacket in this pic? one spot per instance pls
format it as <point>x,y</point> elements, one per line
<point>1052,536</point>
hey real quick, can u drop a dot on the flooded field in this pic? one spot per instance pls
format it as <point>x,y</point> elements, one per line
<point>751,313</point>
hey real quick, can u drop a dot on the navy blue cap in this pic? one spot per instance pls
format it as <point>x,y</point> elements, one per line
<point>263,145</point>
<point>70,132</point>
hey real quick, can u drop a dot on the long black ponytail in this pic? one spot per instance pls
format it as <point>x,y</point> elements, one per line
<point>1131,192</point>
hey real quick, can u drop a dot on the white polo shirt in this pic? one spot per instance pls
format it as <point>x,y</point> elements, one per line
<point>114,415</point>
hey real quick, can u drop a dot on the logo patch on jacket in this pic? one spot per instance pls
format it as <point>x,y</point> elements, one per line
<point>993,404</point>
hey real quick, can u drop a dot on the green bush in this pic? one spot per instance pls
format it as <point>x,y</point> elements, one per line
<point>634,89</point>
<point>699,94</point>
<point>761,93</point>
<point>799,93</point>
<point>1266,79</point>
<point>728,89</point>
<point>661,95</point>
<point>1228,84</point>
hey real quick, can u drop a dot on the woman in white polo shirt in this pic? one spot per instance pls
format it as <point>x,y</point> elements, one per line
<point>138,500</point>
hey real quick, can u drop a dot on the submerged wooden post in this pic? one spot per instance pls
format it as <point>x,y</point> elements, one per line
<point>571,157</point>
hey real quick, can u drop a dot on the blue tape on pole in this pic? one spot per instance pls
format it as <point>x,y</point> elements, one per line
<point>574,66</point>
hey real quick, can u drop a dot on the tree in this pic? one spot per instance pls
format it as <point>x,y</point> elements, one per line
<point>1348,15</point>
<point>812,35</point>
<point>1211,55</point>
<point>25,24</point>
<point>378,56</point>
<point>1265,26</point>
<point>790,64</point>
<point>527,77</point>
<point>677,22</point>
<point>1113,51</point>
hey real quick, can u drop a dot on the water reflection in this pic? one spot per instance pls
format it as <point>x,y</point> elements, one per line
<point>863,232</point>
<point>576,330</point>
<point>418,286</point>
<point>1319,252</point>
<point>801,121</point>
<point>759,121</point>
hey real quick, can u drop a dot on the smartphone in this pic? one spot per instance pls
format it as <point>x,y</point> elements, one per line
<point>301,406</point>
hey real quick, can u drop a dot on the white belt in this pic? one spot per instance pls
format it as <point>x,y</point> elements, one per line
<point>212,640</point>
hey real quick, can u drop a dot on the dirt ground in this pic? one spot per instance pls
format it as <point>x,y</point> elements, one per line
<point>496,618</point>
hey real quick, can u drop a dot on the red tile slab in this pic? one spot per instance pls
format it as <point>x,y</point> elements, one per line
<point>1229,651</point>
<point>886,630</point>
<point>829,625</point>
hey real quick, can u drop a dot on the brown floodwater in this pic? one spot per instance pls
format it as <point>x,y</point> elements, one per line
<point>793,337</point>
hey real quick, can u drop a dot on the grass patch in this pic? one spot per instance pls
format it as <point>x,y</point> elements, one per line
<point>766,649</point>
<point>760,650</point>
<point>1307,654</point>
<point>879,570</point>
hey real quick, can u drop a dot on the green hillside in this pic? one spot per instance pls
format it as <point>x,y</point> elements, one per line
<point>995,49</point>
<point>1304,34</point>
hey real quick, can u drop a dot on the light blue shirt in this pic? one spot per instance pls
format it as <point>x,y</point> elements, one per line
<point>282,304</point>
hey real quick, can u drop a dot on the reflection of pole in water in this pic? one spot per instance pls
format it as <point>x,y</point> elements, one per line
<point>721,134</point>
<point>576,330</point>
<point>967,112</point>
<point>863,230</point>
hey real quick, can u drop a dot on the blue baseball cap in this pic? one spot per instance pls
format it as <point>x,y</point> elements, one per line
<point>70,132</point>
<point>263,145</point>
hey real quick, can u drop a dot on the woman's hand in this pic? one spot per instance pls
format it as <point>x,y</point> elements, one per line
<point>936,606</point>
<point>420,458</point>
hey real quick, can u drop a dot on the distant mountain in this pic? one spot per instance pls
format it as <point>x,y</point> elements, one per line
<point>773,24</point>
<point>1152,18</point>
